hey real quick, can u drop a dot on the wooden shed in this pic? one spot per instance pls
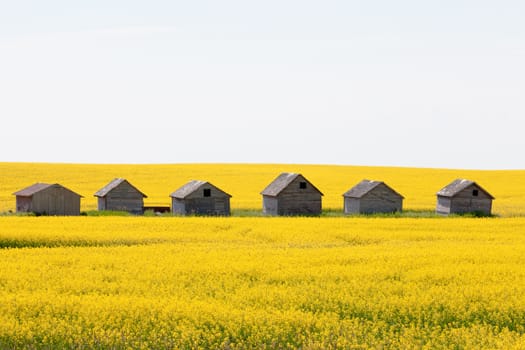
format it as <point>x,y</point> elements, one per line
<point>47,199</point>
<point>200,198</point>
<point>463,196</point>
<point>368,197</point>
<point>119,194</point>
<point>291,194</point>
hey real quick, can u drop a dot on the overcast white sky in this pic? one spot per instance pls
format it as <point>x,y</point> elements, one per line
<point>404,83</point>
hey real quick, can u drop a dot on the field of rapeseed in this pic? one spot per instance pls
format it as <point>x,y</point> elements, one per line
<point>256,282</point>
<point>245,182</point>
<point>315,283</point>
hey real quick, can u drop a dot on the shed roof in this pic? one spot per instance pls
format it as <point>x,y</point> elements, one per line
<point>365,187</point>
<point>31,190</point>
<point>37,187</point>
<point>457,186</point>
<point>281,182</point>
<point>113,184</point>
<point>191,187</point>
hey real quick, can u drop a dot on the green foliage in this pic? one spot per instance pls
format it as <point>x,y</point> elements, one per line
<point>106,213</point>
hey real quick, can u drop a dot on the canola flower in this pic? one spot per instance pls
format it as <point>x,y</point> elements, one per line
<point>237,283</point>
<point>246,181</point>
<point>243,283</point>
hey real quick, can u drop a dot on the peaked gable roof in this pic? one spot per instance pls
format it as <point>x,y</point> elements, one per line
<point>31,190</point>
<point>457,186</point>
<point>364,187</point>
<point>191,187</point>
<point>281,182</point>
<point>37,187</point>
<point>112,185</point>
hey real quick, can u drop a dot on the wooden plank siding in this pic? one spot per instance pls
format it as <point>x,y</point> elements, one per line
<point>101,203</point>
<point>270,205</point>
<point>201,206</point>
<point>24,204</point>
<point>352,205</point>
<point>380,199</point>
<point>466,202</point>
<point>200,198</point>
<point>443,205</point>
<point>299,202</point>
<point>124,197</point>
<point>369,196</point>
<point>469,200</point>
<point>54,200</point>
<point>297,197</point>
<point>178,206</point>
<point>197,204</point>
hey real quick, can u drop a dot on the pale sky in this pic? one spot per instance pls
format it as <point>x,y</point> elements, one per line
<point>401,83</point>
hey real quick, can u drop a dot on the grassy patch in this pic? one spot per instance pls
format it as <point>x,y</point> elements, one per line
<point>105,213</point>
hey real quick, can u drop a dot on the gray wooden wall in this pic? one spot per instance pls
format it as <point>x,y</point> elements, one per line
<point>380,199</point>
<point>23,204</point>
<point>123,197</point>
<point>54,200</point>
<point>294,200</point>
<point>270,205</point>
<point>443,205</point>
<point>196,203</point>
<point>465,202</point>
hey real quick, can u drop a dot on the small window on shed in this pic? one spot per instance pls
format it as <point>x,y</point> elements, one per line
<point>302,185</point>
<point>475,193</point>
<point>207,192</point>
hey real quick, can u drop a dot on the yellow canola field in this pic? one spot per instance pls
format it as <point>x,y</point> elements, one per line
<point>245,182</point>
<point>260,282</point>
<point>245,283</point>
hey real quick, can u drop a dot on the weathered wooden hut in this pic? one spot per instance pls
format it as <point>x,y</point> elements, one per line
<point>368,197</point>
<point>119,194</point>
<point>463,196</point>
<point>291,194</point>
<point>200,198</point>
<point>47,199</point>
